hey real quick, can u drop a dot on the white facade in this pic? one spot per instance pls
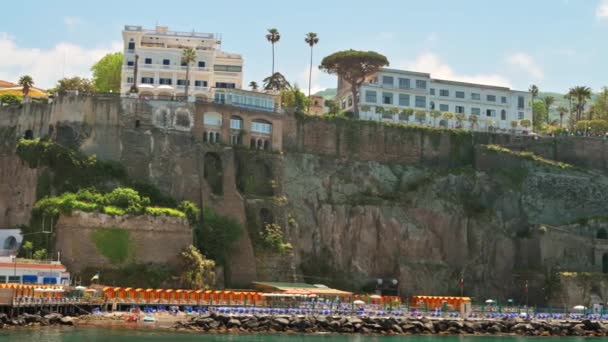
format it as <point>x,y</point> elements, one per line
<point>396,91</point>
<point>27,271</point>
<point>161,72</point>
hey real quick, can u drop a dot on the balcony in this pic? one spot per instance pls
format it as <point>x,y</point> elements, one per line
<point>168,33</point>
<point>149,44</point>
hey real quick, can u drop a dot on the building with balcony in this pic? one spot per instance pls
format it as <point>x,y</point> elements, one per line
<point>412,97</point>
<point>160,71</point>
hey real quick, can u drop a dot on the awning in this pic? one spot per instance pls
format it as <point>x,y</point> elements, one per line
<point>164,86</point>
<point>145,86</point>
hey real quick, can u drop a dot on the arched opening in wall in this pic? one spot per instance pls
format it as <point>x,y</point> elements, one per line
<point>217,137</point>
<point>259,144</point>
<point>266,145</point>
<point>252,143</point>
<point>137,124</point>
<point>602,234</point>
<point>254,176</point>
<point>605,263</point>
<point>266,217</point>
<point>443,123</point>
<point>183,118</point>
<point>205,137</point>
<point>10,243</point>
<point>29,135</point>
<point>213,173</point>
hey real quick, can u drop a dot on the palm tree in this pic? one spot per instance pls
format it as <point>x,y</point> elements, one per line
<point>561,110</point>
<point>27,83</point>
<point>273,37</point>
<point>253,85</point>
<point>534,91</point>
<point>549,100</point>
<point>311,39</point>
<point>188,57</point>
<point>581,94</point>
<point>276,82</point>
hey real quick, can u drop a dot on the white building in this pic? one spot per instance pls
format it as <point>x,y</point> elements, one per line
<point>391,95</point>
<point>26,271</point>
<point>161,73</point>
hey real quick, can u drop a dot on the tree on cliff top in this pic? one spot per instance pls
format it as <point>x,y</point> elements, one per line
<point>26,82</point>
<point>106,73</point>
<point>82,85</point>
<point>276,81</point>
<point>354,67</point>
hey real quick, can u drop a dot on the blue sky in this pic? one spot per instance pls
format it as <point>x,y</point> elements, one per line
<point>553,43</point>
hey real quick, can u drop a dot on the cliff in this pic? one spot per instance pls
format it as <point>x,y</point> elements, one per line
<point>356,200</point>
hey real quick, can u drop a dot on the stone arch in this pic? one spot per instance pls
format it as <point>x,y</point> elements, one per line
<point>266,145</point>
<point>602,234</point>
<point>266,217</point>
<point>28,135</point>
<point>443,123</point>
<point>254,176</point>
<point>213,173</point>
<point>183,119</point>
<point>163,117</point>
<point>605,263</point>
<point>10,243</point>
<point>259,144</point>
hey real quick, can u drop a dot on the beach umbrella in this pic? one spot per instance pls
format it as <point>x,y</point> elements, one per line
<point>80,288</point>
<point>580,307</point>
<point>490,301</point>
<point>358,302</point>
<point>90,290</point>
<point>375,297</point>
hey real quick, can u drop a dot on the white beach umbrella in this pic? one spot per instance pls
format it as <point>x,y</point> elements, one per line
<point>580,307</point>
<point>490,301</point>
<point>358,302</point>
<point>80,288</point>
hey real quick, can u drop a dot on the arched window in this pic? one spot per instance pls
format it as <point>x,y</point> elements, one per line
<point>252,143</point>
<point>259,144</point>
<point>266,145</point>
<point>503,115</point>
<point>432,105</point>
<point>205,139</point>
<point>10,243</point>
<point>217,137</point>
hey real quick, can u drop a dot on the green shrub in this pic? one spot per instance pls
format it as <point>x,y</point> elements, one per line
<point>156,211</point>
<point>113,243</point>
<point>10,99</point>
<point>114,211</point>
<point>127,199</point>
<point>216,235</point>
<point>272,238</point>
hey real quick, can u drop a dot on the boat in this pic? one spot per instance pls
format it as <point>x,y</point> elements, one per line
<point>148,319</point>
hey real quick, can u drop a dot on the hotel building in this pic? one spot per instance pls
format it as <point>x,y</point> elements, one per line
<point>391,95</point>
<point>160,71</point>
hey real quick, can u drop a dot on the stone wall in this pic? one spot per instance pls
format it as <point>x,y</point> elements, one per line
<point>151,239</point>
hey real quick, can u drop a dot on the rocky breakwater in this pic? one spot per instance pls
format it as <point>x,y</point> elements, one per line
<point>390,325</point>
<point>35,320</point>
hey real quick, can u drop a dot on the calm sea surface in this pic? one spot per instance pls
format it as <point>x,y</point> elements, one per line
<point>92,334</point>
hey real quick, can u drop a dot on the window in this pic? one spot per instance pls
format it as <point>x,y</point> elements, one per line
<point>148,61</point>
<point>520,115</point>
<point>130,63</point>
<point>491,112</point>
<point>200,83</point>
<point>181,82</point>
<point>475,96</point>
<point>444,92</point>
<point>147,80</point>
<point>166,62</point>
<point>459,109</point>
<point>475,111</point>
<point>236,124</point>
<point>432,105</point>
<point>460,94</point>
<point>261,127</point>
<point>201,64</point>
<point>387,80</point>
<point>444,107</point>
<point>370,96</point>
<point>164,81</point>
<point>520,102</point>
<point>420,84</point>
<point>14,279</point>
<point>432,91</point>
<point>503,115</point>
<point>129,79</point>
<point>387,98</point>
<point>404,100</point>
<point>131,46</point>
<point>230,68</point>
<point>224,85</point>
<point>491,98</point>
<point>404,83</point>
<point>503,99</point>
<point>420,101</point>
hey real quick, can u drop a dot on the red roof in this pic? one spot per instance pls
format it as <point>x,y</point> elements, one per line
<point>5,84</point>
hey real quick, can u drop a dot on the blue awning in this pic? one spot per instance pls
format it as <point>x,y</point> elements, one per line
<point>30,279</point>
<point>48,280</point>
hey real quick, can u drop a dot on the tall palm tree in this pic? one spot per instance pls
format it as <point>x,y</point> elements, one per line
<point>561,110</point>
<point>549,100</point>
<point>581,94</point>
<point>253,85</point>
<point>312,40</point>
<point>276,82</point>
<point>26,82</point>
<point>273,37</point>
<point>534,91</point>
<point>188,57</point>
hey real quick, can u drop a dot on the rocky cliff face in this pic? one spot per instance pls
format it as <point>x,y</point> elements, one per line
<point>357,221</point>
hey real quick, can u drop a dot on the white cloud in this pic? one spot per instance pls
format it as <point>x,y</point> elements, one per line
<point>46,66</point>
<point>526,63</point>
<point>429,62</point>
<point>602,10</point>
<point>302,80</point>
<point>72,21</point>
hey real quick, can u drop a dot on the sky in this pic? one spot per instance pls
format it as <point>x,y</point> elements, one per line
<point>555,44</point>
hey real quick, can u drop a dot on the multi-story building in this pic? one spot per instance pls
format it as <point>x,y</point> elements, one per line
<point>161,72</point>
<point>398,95</point>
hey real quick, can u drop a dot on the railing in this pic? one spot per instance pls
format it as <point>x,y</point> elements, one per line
<point>228,55</point>
<point>169,33</point>
<point>153,44</point>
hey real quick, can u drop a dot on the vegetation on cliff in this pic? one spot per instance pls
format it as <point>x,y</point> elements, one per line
<point>527,155</point>
<point>113,243</point>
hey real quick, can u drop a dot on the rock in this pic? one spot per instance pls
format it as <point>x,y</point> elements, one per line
<point>396,328</point>
<point>589,325</point>
<point>522,327</point>
<point>354,320</point>
<point>4,318</point>
<point>494,329</point>
<point>67,320</point>
<point>334,325</point>
<point>53,318</point>
<point>281,321</point>
<point>453,330</point>
<point>31,318</point>
<point>233,322</point>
